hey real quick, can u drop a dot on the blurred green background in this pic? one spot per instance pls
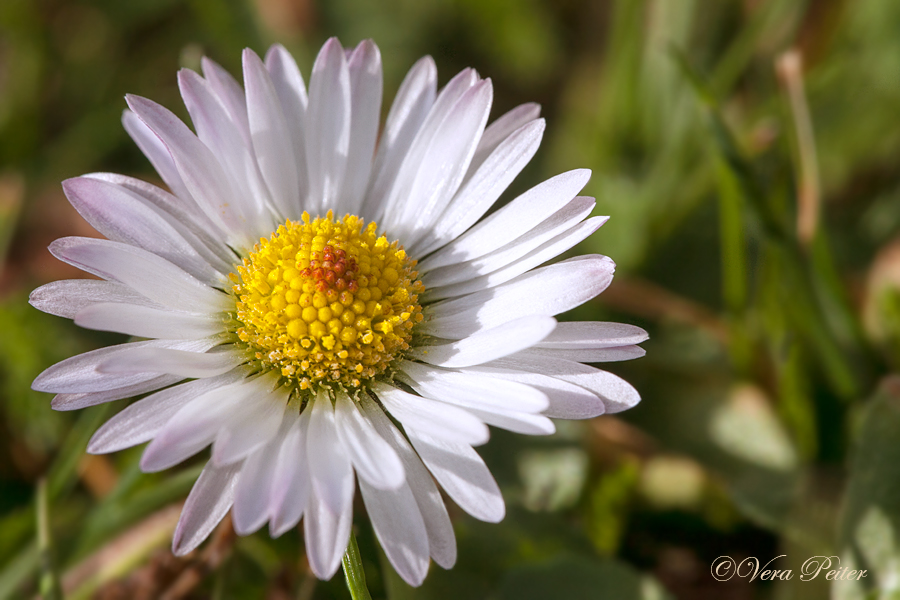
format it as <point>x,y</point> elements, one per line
<point>748,152</point>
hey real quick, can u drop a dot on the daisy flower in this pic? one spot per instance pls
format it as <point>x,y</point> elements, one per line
<point>326,305</point>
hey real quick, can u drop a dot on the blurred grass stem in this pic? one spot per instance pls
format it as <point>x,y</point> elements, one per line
<point>739,53</point>
<point>818,305</point>
<point>308,585</point>
<point>63,473</point>
<point>49,583</point>
<point>122,554</point>
<point>789,67</point>
<point>12,192</point>
<point>734,263</point>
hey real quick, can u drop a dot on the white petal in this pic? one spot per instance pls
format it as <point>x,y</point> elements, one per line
<point>374,460</point>
<point>364,67</point>
<point>441,539</point>
<point>207,504</point>
<point>593,355</point>
<point>515,421</point>
<point>483,188</point>
<point>444,163</point>
<point>187,218</point>
<point>84,399</point>
<point>328,126</point>
<point>413,163</point>
<point>501,129</point>
<point>287,79</point>
<point>217,132</point>
<point>567,400</point>
<point>252,427</point>
<point>512,221</point>
<point>432,417</point>
<point>463,475</point>
<point>468,390</point>
<point>540,255</point>
<point>291,92</point>
<point>147,322</point>
<point>574,335</point>
<point>271,135</point>
<point>399,528</point>
<point>123,217</point>
<point>150,275</point>
<point>204,177</point>
<point>326,535</point>
<point>251,495</point>
<point>66,297</point>
<point>142,420</point>
<point>563,220</point>
<point>616,393</point>
<point>411,105</point>
<point>330,468</point>
<point>546,291</point>
<point>290,482</point>
<point>489,344</point>
<point>195,425</point>
<point>254,486</point>
<point>79,373</point>
<point>174,362</point>
<point>229,93</point>
<point>158,155</point>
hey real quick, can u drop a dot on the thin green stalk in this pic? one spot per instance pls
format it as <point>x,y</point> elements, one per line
<point>354,572</point>
<point>49,583</point>
<point>836,357</point>
<point>745,45</point>
<point>734,264</point>
<point>63,473</point>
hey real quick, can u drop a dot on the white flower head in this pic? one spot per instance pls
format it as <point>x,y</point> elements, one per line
<point>306,285</point>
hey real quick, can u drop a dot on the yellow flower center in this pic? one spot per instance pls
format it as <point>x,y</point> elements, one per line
<point>327,301</point>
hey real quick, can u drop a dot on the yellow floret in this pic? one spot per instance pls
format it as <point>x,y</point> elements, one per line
<point>326,301</point>
<point>296,329</point>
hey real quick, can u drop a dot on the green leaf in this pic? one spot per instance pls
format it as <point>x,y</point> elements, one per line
<point>122,508</point>
<point>610,502</point>
<point>19,570</point>
<point>32,341</point>
<point>552,478</point>
<point>870,528</point>
<point>64,472</point>
<point>577,578</point>
<point>735,433</point>
<point>486,551</point>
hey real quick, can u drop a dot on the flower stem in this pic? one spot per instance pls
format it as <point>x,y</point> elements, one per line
<point>354,572</point>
